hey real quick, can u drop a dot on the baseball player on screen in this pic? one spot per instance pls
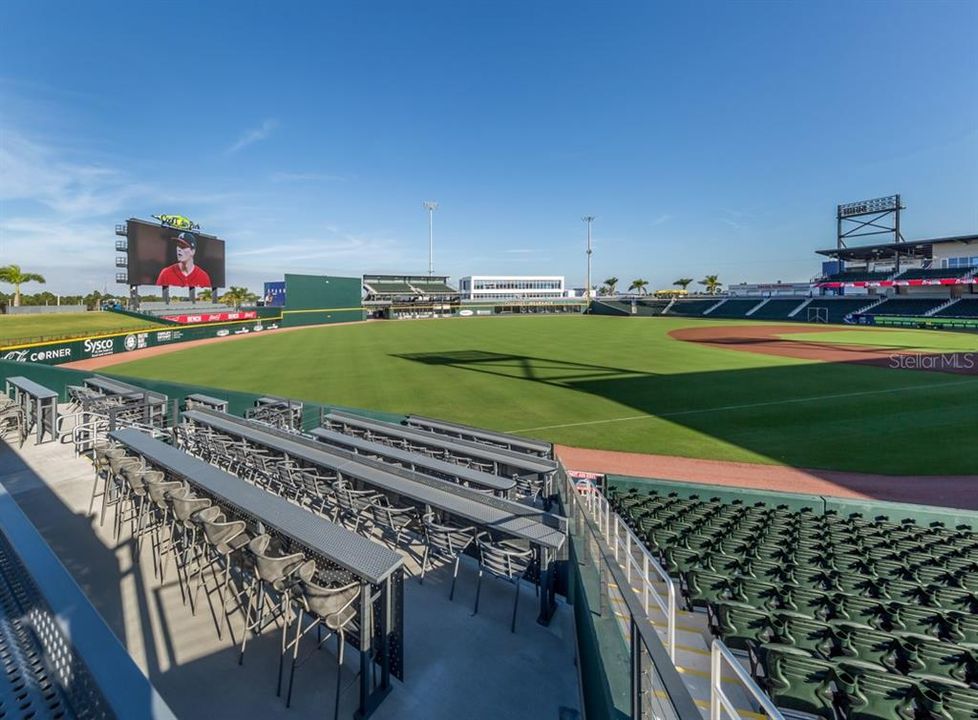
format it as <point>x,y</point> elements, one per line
<point>184,273</point>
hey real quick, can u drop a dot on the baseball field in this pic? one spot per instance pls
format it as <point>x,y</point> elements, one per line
<point>856,399</point>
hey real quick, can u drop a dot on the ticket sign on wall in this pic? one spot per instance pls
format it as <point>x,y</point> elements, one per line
<point>173,257</point>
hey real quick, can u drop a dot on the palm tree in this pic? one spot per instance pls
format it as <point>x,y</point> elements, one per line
<point>638,285</point>
<point>238,296</point>
<point>712,284</point>
<point>13,275</point>
<point>205,295</point>
<point>611,283</point>
<point>683,282</point>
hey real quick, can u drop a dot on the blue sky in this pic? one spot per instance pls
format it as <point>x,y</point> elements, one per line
<point>706,138</point>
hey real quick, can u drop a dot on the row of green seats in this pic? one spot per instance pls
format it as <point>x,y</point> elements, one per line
<point>747,628</point>
<point>764,578</point>
<point>855,690</point>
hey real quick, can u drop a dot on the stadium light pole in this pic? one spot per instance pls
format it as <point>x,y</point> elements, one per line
<point>587,290</point>
<point>430,206</point>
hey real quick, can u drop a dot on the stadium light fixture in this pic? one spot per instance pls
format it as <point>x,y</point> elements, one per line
<point>430,206</point>
<point>587,290</point>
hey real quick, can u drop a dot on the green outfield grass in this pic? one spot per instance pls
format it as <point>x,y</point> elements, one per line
<point>614,383</point>
<point>27,328</point>
<point>922,340</point>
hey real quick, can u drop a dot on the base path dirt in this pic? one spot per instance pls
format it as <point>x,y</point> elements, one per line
<point>767,340</point>
<point>957,491</point>
<point>109,360</point>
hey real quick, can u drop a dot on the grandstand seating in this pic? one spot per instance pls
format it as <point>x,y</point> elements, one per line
<point>654,306</point>
<point>907,306</point>
<point>387,288</point>
<point>837,309</point>
<point>436,288</point>
<point>869,617</point>
<point>933,273</point>
<point>777,309</point>
<point>643,308</point>
<point>859,276</point>
<point>692,307</point>
<point>966,307</point>
<point>736,308</point>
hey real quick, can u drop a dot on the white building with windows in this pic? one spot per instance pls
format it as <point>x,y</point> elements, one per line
<point>511,287</point>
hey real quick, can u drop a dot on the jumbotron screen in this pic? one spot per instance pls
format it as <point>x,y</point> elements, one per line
<point>170,257</point>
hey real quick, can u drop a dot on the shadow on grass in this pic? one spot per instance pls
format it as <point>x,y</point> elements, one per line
<point>853,415</point>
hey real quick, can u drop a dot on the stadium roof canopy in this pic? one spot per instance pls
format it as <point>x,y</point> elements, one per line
<point>920,249</point>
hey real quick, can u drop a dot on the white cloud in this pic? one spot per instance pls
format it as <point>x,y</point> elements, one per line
<point>664,218</point>
<point>38,173</point>
<point>250,137</point>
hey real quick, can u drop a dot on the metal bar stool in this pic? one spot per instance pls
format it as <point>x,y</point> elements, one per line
<point>269,594</point>
<point>507,562</point>
<point>329,607</point>
<point>223,540</point>
<point>446,541</point>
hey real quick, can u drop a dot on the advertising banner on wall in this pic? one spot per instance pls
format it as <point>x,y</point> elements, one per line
<point>212,317</point>
<point>65,351</point>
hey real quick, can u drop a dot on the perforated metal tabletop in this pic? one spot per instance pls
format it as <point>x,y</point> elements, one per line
<point>368,560</point>
<point>518,461</point>
<point>464,474</point>
<point>507,517</point>
<point>520,444</point>
<point>117,387</point>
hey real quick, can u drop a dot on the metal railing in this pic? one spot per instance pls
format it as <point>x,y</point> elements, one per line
<point>636,561</point>
<point>720,703</point>
<point>640,678</point>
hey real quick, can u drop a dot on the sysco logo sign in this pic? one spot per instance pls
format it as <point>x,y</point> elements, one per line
<point>97,348</point>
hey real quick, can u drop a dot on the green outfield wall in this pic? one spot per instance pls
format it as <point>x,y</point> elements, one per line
<point>310,300</point>
<point>321,299</point>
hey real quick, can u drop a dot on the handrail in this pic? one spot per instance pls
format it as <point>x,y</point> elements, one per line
<point>621,537</point>
<point>719,653</point>
<point>643,634</point>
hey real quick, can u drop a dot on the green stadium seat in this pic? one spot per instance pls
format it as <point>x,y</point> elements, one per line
<point>938,576</point>
<point>702,587</point>
<point>921,620</point>
<point>812,603</point>
<point>963,627</point>
<point>865,611</point>
<point>757,593</point>
<point>725,565</point>
<point>804,633</point>
<point>740,626</point>
<point>911,593</point>
<point>864,587</point>
<point>939,659</point>
<point>952,598</point>
<point>872,695</point>
<point>770,571</point>
<point>679,560</point>
<point>969,580</point>
<point>875,646</point>
<point>797,681</point>
<point>953,702</point>
<point>817,578</point>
